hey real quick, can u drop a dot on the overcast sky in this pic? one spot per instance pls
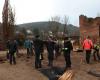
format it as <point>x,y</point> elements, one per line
<point>43,10</point>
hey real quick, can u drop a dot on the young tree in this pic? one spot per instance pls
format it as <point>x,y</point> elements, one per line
<point>66,22</point>
<point>8,21</point>
<point>11,21</point>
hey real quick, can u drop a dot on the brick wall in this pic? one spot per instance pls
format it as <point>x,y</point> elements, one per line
<point>89,26</point>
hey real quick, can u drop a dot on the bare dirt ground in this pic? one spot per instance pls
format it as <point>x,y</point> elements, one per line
<point>24,69</point>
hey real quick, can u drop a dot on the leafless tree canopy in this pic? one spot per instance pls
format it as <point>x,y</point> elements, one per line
<point>54,25</point>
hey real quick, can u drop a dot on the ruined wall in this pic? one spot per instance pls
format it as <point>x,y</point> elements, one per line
<point>89,26</point>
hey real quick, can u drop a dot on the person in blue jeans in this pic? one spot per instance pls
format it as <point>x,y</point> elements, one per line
<point>28,46</point>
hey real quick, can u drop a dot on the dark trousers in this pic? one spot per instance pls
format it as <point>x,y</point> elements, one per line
<point>88,54</point>
<point>50,58</point>
<point>37,60</point>
<point>57,53</point>
<point>50,63</point>
<point>28,52</point>
<point>67,59</point>
<point>12,58</point>
<point>96,53</point>
<point>31,52</point>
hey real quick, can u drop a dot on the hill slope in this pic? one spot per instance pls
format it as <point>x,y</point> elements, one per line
<point>72,30</point>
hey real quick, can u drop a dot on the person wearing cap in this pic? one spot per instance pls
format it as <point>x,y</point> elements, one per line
<point>67,50</point>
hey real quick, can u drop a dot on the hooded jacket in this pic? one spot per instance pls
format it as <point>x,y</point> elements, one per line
<point>87,44</point>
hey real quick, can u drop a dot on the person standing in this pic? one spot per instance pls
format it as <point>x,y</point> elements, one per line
<point>38,47</point>
<point>50,48</point>
<point>67,51</point>
<point>96,52</point>
<point>28,46</point>
<point>88,46</point>
<point>12,51</point>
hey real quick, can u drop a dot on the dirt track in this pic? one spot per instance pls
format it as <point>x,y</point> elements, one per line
<point>24,69</point>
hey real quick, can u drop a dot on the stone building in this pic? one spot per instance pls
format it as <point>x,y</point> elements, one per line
<point>89,27</point>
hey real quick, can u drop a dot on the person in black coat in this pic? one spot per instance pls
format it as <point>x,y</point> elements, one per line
<point>38,47</point>
<point>67,50</point>
<point>12,50</point>
<point>50,48</point>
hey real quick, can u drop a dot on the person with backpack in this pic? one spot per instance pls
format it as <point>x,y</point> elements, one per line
<point>28,46</point>
<point>96,52</point>
<point>67,51</point>
<point>88,46</point>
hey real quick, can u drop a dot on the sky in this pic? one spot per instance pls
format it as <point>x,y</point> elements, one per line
<point>42,10</point>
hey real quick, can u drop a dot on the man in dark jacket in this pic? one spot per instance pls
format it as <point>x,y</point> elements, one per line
<point>50,48</point>
<point>67,50</point>
<point>38,46</point>
<point>12,50</point>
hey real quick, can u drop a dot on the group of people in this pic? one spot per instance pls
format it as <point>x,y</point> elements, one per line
<point>38,45</point>
<point>51,45</point>
<point>67,47</point>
